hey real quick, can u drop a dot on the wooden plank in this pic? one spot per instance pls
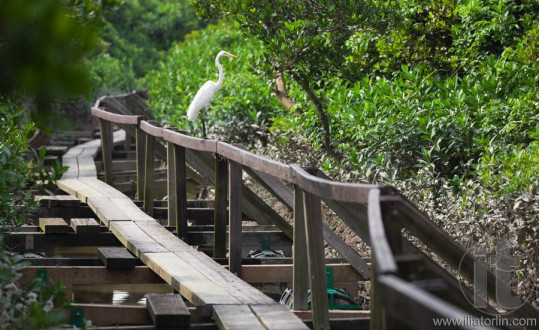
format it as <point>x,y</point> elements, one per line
<point>86,166</point>
<point>130,209</point>
<point>53,225</point>
<point>85,225</point>
<point>277,317</point>
<point>235,217</point>
<point>140,141</point>
<point>103,187</point>
<point>111,315</point>
<point>106,149</point>
<point>220,213</point>
<point>115,118</point>
<point>269,166</point>
<point>57,201</point>
<point>236,317</point>
<point>301,268</point>
<point>149,167</point>
<point>341,191</point>
<point>116,257</point>
<point>78,188</point>
<point>151,127</point>
<point>180,167</point>
<point>188,281</point>
<point>106,210</point>
<point>168,310</point>
<point>134,238</point>
<point>190,142</point>
<point>162,236</point>
<point>315,251</point>
<point>238,288</point>
<point>86,275</point>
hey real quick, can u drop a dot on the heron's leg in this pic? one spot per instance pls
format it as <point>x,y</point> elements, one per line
<point>203,123</point>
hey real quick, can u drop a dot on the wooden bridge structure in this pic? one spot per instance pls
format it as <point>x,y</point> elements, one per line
<point>409,289</point>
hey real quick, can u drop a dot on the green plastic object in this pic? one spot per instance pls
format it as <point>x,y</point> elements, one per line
<point>42,274</point>
<point>77,316</point>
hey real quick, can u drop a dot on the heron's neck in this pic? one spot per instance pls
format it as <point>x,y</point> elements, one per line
<point>221,74</point>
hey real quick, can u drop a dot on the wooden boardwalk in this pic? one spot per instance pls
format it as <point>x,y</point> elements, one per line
<point>408,288</point>
<point>198,278</point>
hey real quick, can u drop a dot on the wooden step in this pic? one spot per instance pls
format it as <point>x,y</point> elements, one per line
<point>53,225</point>
<point>116,257</point>
<point>168,310</point>
<point>57,200</point>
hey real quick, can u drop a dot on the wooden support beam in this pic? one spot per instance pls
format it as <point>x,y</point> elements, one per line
<point>116,257</point>
<point>317,272</point>
<point>53,225</point>
<point>149,167</point>
<point>178,189</point>
<point>140,140</point>
<point>235,217</point>
<point>106,149</point>
<point>221,214</point>
<point>168,310</point>
<point>85,225</point>
<point>301,267</point>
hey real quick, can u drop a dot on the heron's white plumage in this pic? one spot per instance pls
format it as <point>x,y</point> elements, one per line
<point>206,92</point>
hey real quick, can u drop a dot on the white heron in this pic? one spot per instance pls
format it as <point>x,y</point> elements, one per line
<point>205,94</point>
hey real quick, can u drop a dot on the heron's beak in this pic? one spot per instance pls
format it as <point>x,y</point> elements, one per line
<point>231,55</point>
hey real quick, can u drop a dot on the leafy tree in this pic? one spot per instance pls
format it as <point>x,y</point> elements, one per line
<point>316,41</point>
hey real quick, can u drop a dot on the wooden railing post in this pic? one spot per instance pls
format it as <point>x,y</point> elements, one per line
<point>149,174</point>
<point>220,205</point>
<point>235,217</point>
<point>312,207</point>
<point>140,141</point>
<point>106,149</point>
<point>301,267</point>
<point>177,189</point>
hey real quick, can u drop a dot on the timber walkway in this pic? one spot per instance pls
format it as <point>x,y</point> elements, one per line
<point>409,289</point>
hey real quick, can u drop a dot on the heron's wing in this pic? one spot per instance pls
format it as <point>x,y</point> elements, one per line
<point>202,98</point>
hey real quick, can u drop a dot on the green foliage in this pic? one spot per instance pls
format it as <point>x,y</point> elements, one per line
<point>239,111</point>
<point>15,175</point>
<point>142,30</point>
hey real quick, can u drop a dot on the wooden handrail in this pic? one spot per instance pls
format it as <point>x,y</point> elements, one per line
<point>115,118</point>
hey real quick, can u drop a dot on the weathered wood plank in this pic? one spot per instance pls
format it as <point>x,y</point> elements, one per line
<point>57,200</point>
<point>235,286</point>
<point>140,141</point>
<point>277,317</point>
<point>149,167</point>
<point>237,317</point>
<point>235,217</point>
<point>188,281</point>
<point>342,191</point>
<point>115,118</point>
<point>168,310</point>
<point>220,213</point>
<point>53,225</point>
<point>78,188</point>
<point>85,225</point>
<point>315,250</point>
<point>116,257</point>
<point>301,267</point>
<point>106,149</point>
<point>106,210</point>
<point>190,142</point>
<point>135,239</point>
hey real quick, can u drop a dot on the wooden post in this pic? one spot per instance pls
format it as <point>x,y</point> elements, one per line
<point>235,217</point>
<point>171,185</point>
<point>141,162</point>
<point>106,149</point>
<point>149,174</point>
<point>301,270</point>
<point>312,207</point>
<point>220,213</point>
<point>181,192</point>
